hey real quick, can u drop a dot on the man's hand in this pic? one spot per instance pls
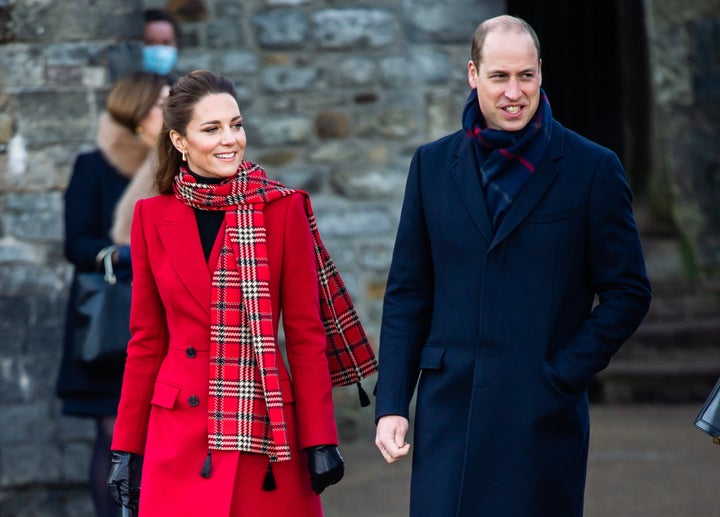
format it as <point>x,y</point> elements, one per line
<point>390,437</point>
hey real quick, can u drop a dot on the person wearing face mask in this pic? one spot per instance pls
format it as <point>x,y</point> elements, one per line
<point>127,132</point>
<point>160,47</point>
<point>222,425</point>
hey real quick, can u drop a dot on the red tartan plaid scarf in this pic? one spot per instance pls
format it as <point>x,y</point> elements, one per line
<point>245,403</point>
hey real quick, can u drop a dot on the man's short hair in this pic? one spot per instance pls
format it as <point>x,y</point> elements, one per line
<point>505,23</point>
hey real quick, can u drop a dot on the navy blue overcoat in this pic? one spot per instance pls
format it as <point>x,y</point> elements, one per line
<point>499,329</point>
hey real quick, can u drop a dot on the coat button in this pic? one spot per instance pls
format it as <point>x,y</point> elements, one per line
<point>190,352</point>
<point>193,401</point>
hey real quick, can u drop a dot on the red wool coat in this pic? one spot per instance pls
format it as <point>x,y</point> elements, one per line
<point>163,411</point>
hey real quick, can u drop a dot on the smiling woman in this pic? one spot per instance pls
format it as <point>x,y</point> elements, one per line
<point>218,260</point>
<point>214,141</point>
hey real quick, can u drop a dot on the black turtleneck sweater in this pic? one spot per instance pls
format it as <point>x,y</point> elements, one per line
<point>208,221</point>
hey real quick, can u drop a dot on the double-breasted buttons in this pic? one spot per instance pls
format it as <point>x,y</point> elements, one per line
<point>192,400</point>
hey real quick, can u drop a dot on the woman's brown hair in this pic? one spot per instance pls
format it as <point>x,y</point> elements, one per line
<point>177,113</point>
<point>132,97</point>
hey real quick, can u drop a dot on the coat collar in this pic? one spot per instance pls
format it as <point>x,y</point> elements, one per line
<point>179,234</point>
<point>465,172</point>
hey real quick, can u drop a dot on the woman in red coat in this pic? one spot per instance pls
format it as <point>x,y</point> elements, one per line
<point>222,426</point>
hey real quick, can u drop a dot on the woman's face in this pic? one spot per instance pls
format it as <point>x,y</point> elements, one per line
<point>214,140</point>
<point>152,123</point>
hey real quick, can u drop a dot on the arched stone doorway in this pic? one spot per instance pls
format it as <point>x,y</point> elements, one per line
<point>595,72</point>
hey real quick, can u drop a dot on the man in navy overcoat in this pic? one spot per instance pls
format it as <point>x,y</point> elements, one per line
<point>517,274</point>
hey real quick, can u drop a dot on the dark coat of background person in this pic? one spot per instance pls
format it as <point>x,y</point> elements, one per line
<point>88,391</point>
<point>126,132</point>
<point>501,325</point>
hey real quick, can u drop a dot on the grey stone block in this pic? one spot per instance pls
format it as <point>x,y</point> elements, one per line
<point>53,116</point>
<point>238,62</point>
<point>24,422</point>
<point>225,33</point>
<point>123,58</point>
<point>75,461</point>
<point>30,463</point>
<point>22,66</point>
<point>282,28</point>
<point>73,429</point>
<point>428,66</point>
<point>354,71</point>
<point>288,79</point>
<point>370,181</point>
<point>451,21</point>
<point>30,278</point>
<point>49,21</point>
<point>354,28</point>
<point>281,130</point>
<point>352,220</point>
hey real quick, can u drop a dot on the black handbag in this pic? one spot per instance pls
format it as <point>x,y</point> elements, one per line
<point>708,418</point>
<point>102,309</point>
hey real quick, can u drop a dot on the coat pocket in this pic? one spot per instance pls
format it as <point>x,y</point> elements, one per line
<point>165,395</point>
<point>432,357</point>
<point>286,388</point>
<point>549,216</point>
<point>558,382</point>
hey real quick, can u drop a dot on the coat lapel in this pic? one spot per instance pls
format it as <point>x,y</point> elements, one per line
<point>464,169</point>
<point>179,234</point>
<point>533,190</point>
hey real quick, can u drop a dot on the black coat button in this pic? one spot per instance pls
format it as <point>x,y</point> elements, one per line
<point>190,352</point>
<point>193,401</point>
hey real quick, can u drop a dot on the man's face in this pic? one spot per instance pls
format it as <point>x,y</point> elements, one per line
<point>159,32</point>
<point>507,80</point>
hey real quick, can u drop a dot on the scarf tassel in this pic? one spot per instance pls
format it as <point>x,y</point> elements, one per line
<point>207,465</point>
<point>364,399</point>
<point>269,482</point>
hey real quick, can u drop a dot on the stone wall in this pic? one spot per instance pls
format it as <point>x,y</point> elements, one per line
<point>335,94</point>
<point>684,45</point>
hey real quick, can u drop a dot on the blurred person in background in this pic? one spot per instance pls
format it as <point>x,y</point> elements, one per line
<point>160,42</point>
<point>127,132</point>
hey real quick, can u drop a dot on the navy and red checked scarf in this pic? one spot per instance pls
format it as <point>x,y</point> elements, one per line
<point>245,408</point>
<point>510,156</point>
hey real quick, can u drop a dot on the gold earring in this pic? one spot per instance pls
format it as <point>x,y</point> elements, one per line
<point>184,158</point>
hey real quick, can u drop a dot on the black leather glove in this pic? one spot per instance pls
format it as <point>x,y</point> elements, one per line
<point>124,478</point>
<point>326,466</point>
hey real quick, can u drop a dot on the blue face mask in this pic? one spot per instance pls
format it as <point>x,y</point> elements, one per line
<point>159,59</point>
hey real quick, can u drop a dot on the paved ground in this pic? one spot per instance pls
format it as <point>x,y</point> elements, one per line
<point>645,461</point>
